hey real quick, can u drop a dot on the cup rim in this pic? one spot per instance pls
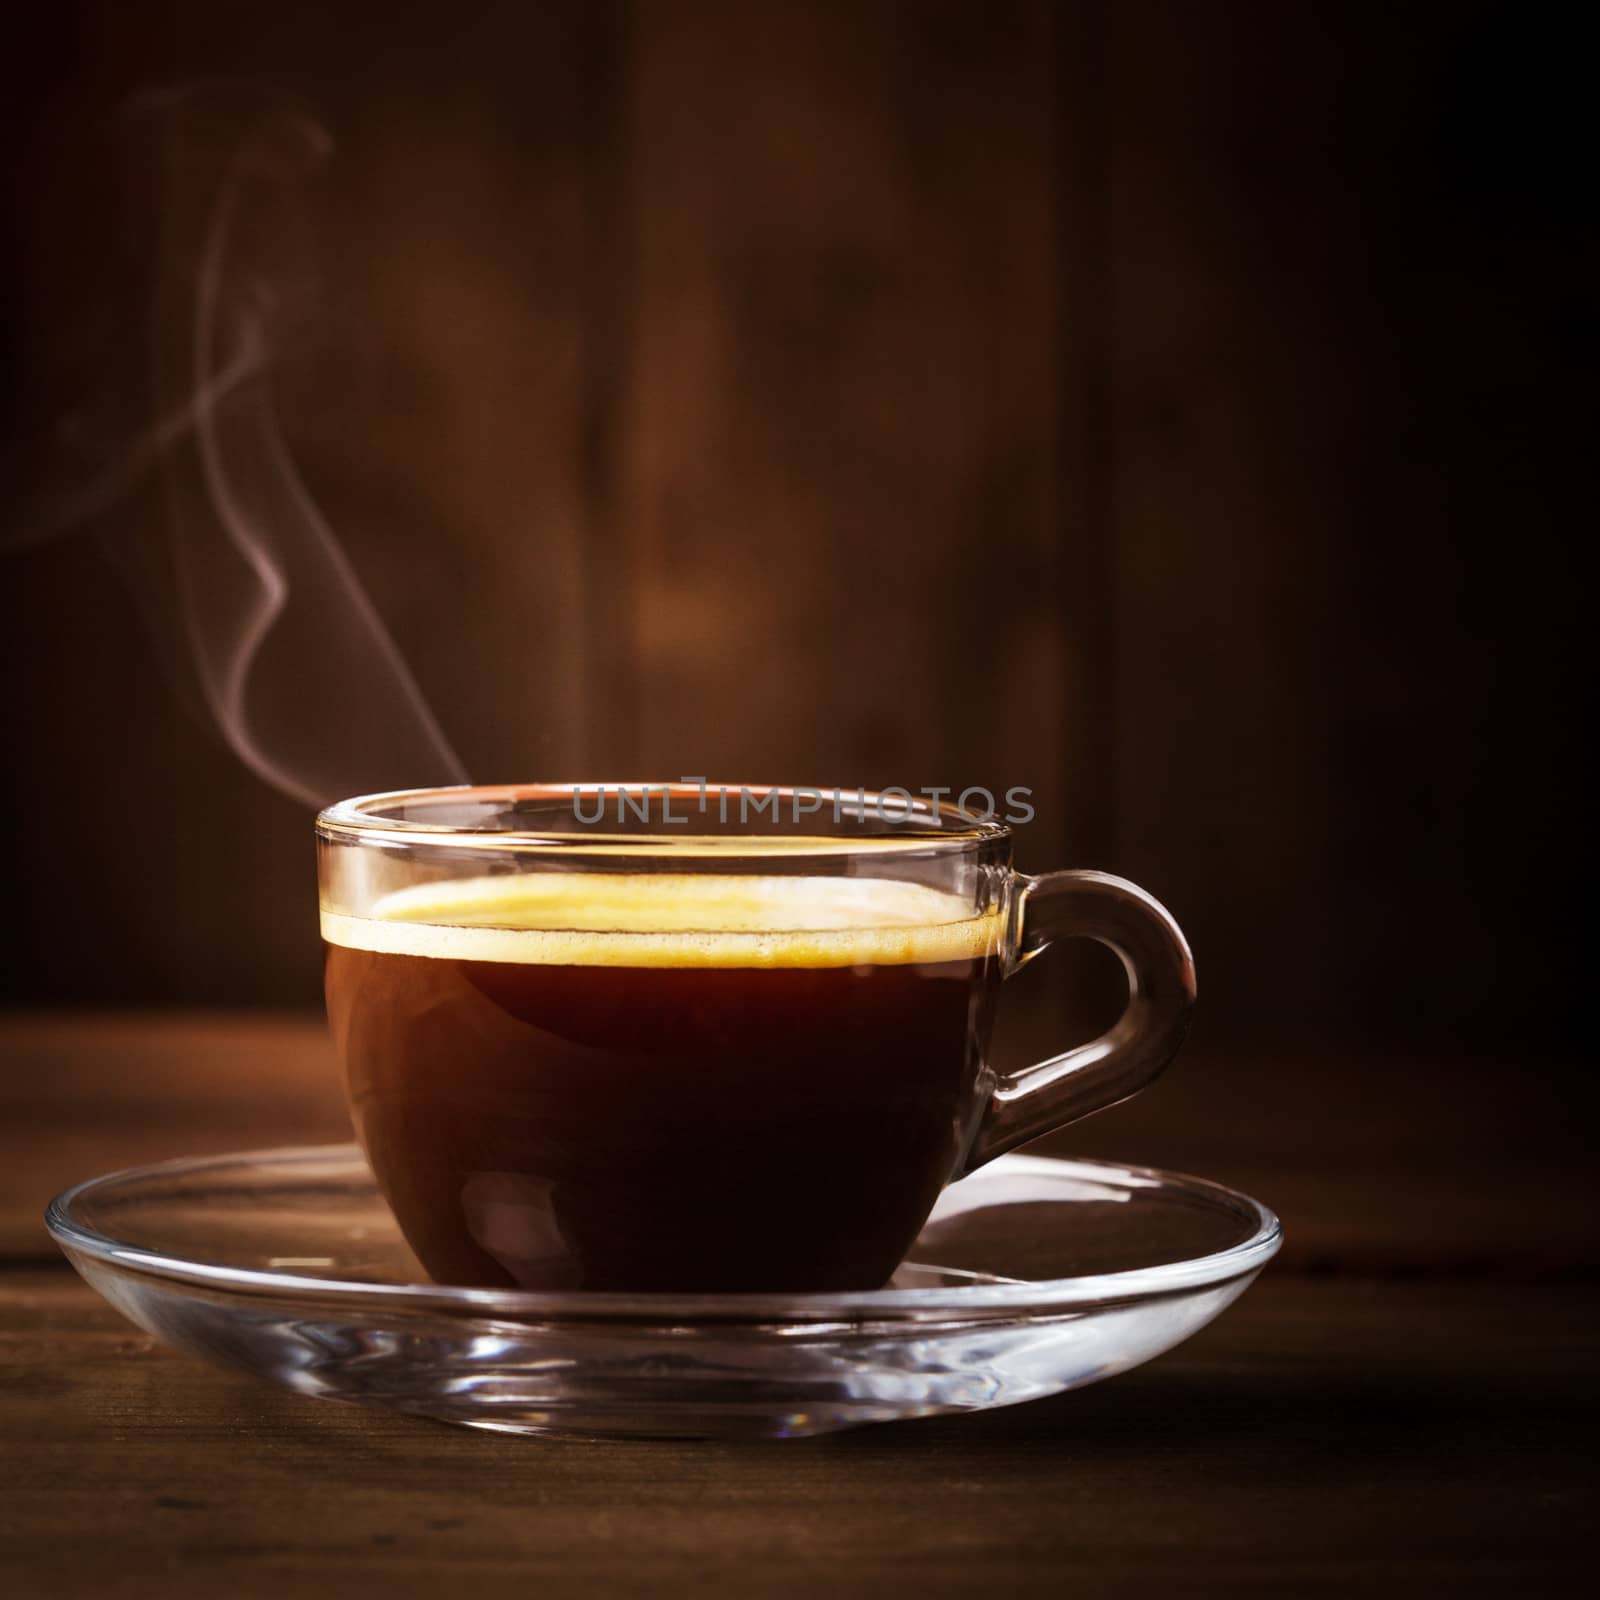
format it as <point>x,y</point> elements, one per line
<point>925,825</point>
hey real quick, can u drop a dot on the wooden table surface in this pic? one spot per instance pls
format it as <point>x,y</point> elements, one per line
<point>1405,1402</point>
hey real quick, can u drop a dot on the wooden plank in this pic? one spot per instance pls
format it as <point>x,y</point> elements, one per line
<point>86,1095</point>
<point>1342,379</point>
<point>450,410</point>
<point>1319,1438</point>
<point>476,356</point>
<point>842,480</point>
<point>1226,543</point>
<point>1378,1164</point>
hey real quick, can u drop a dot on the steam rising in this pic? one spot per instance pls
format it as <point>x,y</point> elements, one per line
<point>249,595</point>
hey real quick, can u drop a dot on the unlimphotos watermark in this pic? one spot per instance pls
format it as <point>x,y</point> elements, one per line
<point>677,805</point>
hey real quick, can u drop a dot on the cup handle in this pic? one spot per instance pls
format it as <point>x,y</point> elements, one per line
<point>1161,990</point>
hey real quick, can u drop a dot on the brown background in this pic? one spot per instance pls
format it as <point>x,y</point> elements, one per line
<point>1171,408</point>
<point>1159,406</point>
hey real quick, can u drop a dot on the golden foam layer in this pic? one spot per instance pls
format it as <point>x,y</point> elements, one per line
<point>671,920</point>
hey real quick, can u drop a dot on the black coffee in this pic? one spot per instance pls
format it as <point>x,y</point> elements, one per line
<point>758,1084</point>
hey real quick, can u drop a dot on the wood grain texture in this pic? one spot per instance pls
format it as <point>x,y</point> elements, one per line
<point>1321,1438</point>
<point>1403,1402</point>
<point>842,493</point>
<point>1344,653</point>
<point>1163,411</point>
<point>450,411</point>
<point>1160,406</point>
<point>84,1095</point>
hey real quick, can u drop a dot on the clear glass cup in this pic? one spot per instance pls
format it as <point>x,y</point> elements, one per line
<point>691,1038</point>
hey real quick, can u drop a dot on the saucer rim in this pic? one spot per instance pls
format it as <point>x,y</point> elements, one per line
<point>1242,1259</point>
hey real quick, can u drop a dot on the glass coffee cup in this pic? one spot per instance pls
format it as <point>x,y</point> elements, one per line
<point>679,1038</point>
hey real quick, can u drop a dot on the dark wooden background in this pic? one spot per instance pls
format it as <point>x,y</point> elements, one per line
<point>1173,408</point>
<point>1160,406</point>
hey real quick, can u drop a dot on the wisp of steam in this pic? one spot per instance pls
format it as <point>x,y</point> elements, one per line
<point>249,596</point>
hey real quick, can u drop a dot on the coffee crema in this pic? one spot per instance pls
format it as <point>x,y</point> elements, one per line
<point>663,1081</point>
<point>669,920</point>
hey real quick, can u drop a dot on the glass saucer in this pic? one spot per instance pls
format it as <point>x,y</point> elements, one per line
<point>1034,1275</point>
